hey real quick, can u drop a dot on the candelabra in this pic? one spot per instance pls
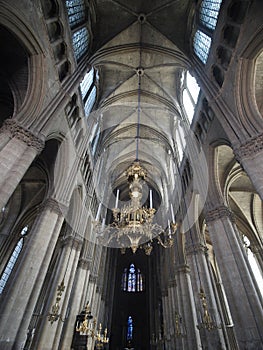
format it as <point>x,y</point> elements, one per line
<point>206,321</point>
<point>54,315</point>
<point>101,338</point>
<point>88,328</point>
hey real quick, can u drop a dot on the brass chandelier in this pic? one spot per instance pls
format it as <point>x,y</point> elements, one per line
<point>133,225</point>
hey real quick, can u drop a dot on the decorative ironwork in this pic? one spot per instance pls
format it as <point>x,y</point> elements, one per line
<point>55,315</point>
<point>207,321</point>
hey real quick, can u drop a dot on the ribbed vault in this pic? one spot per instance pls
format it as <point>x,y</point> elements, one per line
<point>140,62</point>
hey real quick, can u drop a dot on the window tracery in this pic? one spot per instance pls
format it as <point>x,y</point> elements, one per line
<point>202,44</point>
<point>208,13</point>
<point>76,12</point>
<point>80,40</point>
<point>132,279</point>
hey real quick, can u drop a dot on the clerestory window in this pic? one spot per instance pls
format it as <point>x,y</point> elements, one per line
<point>208,13</point>
<point>88,88</point>
<point>76,12</point>
<point>207,20</point>
<point>202,44</point>
<point>77,17</point>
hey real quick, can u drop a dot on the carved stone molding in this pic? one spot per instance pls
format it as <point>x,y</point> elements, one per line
<point>194,248</point>
<point>73,241</point>
<point>248,149</point>
<point>182,269</point>
<point>22,134</point>
<point>84,264</point>
<point>93,278</point>
<point>53,205</point>
<point>219,213</point>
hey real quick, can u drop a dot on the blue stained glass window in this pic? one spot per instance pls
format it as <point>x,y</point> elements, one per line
<point>202,43</point>
<point>90,100</point>
<point>209,12</point>
<point>86,82</point>
<point>132,280</point>
<point>129,328</point>
<point>76,12</point>
<point>80,40</point>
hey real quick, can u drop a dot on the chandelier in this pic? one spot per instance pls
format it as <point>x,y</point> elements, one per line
<point>133,225</point>
<point>88,328</point>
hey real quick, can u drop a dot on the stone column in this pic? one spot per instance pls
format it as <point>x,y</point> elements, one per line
<point>51,333</point>
<point>244,303</point>
<point>82,276</point>
<point>19,149</point>
<point>18,307</point>
<point>196,253</point>
<point>190,338</point>
<point>250,155</point>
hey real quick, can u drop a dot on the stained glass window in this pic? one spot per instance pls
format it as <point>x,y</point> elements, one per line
<point>209,12</point>
<point>129,328</point>
<point>12,260</point>
<point>80,40</point>
<point>132,280</point>
<point>76,12</point>
<point>86,82</point>
<point>90,100</point>
<point>202,43</point>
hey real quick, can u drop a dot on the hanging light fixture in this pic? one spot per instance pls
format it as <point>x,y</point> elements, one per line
<point>87,328</point>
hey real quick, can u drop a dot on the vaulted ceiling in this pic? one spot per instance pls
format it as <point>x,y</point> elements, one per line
<point>140,49</point>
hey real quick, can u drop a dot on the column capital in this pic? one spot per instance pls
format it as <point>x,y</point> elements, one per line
<point>74,241</point>
<point>192,248</point>
<point>249,148</point>
<point>218,213</point>
<point>53,205</point>
<point>22,134</point>
<point>182,269</point>
<point>93,278</point>
<point>84,264</point>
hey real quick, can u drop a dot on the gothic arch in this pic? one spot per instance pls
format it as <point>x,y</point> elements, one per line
<point>245,93</point>
<point>32,80</point>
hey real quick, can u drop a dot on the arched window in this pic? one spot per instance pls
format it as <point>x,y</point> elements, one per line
<point>253,263</point>
<point>12,260</point>
<point>208,13</point>
<point>202,43</point>
<point>132,279</point>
